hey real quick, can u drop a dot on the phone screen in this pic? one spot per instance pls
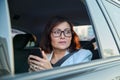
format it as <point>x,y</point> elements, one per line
<point>36,52</point>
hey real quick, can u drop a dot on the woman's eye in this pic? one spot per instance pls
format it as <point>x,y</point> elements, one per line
<point>68,31</point>
<point>56,32</point>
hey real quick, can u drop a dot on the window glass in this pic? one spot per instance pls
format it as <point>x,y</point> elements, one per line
<point>113,11</point>
<point>101,22</point>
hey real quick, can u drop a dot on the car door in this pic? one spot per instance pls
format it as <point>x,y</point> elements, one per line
<point>106,28</point>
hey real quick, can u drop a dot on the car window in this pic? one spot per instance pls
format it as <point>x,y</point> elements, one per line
<point>24,19</point>
<point>33,24</point>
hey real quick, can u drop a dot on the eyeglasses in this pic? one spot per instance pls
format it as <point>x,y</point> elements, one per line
<point>66,32</point>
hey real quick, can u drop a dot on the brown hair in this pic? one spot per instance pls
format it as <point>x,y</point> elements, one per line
<point>45,43</point>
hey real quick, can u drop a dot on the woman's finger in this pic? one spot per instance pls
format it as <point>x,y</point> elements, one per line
<point>44,55</point>
<point>41,64</point>
<point>32,57</point>
<point>34,67</point>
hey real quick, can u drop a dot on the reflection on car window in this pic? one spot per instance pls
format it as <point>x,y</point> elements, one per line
<point>115,2</point>
<point>113,11</point>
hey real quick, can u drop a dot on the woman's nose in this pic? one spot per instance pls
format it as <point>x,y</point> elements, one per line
<point>62,35</point>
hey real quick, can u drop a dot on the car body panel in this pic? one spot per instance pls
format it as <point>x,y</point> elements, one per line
<point>106,69</point>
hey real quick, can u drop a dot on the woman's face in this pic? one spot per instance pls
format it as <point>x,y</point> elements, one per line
<point>61,36</point>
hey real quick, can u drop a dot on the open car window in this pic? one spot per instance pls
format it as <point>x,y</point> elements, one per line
<point>34,23</point>
<point>23,21</point>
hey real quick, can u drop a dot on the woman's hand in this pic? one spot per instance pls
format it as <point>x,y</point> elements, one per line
<point>36,63</point>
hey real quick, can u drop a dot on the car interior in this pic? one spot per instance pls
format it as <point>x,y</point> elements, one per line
<point>31,17</point>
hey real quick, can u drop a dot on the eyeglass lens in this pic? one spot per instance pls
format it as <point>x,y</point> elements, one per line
<point>58,32</point>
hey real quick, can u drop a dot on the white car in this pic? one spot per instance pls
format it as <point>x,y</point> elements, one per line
<point>101,23</point>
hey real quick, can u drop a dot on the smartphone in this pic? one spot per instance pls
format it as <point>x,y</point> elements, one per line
<point>36,52</point>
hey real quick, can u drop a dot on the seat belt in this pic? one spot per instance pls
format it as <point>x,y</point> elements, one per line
<point>62,60</point>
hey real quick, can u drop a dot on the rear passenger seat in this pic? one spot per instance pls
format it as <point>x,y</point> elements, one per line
<point>20,42</point>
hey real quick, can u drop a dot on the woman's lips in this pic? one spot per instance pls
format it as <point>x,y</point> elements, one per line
<point>62,42</point>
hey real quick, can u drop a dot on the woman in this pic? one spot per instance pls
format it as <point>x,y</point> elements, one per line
<point>58,40</point>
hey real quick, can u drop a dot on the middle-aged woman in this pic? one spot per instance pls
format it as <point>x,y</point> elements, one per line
<point>59,40</point>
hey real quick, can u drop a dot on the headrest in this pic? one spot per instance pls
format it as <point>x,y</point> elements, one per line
<point>21,40</point>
